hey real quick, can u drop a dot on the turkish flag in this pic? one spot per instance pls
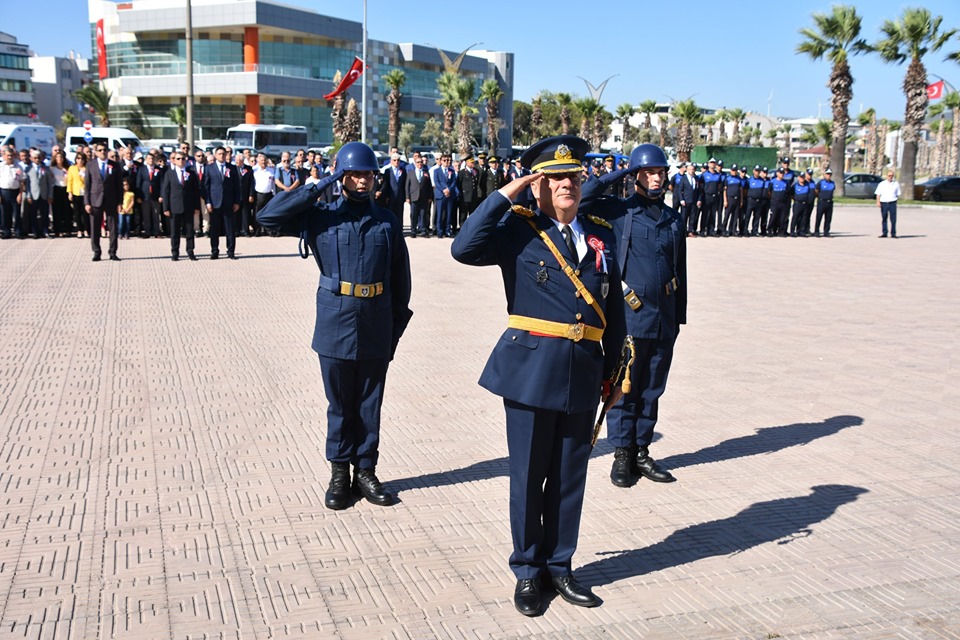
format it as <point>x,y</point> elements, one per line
<point>935,90</point>
<point>355,70</point>
<point>101,50</point>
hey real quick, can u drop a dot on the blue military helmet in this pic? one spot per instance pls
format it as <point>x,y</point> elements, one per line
<point>356,156</point>
<point>647,155</point>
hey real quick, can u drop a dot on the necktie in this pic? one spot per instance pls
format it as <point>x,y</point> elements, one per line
<point>180,176</point>
<point>419,175</point>
<point>567,234</point>
<point>103,169</point>
<point>221,171</point>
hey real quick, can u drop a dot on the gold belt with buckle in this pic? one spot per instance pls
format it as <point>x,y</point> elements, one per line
<point>361,290</point>
<point>536,326</point>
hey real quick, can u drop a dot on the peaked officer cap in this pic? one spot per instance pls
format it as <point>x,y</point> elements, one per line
<point>558,154</point>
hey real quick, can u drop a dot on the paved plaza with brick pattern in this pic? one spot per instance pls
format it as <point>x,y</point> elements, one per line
<point>162,470</point>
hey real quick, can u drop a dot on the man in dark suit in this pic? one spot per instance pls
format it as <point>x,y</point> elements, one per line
<point>101,197</point>
<point>149,182</point>
<point>468,182</point>
<point>221,190</point>
<point>181,201</point>
<point>419,192</point>
<point>395,186</point>
<point>686,196</point>
<point>444,195</point>
<point>561,344</point>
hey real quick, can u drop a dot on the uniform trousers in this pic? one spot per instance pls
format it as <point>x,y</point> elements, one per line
<point>711,211</point>
<point>223,223</point>
<point>631,421</point>
<point>764,216</point>
<point>825,213</point>
<point>796,222</point>
<point>754,213</point>
<point>731,216</point>
<point>96,218</point>
<point>548,456</point>
<point>354,390</point>
<point>181,224</point>
<point>779,214</point>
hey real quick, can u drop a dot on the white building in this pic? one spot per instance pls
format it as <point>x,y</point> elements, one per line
<point>16,89</point>
<point>54,81</point>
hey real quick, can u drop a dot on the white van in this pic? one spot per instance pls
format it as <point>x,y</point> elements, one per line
<point>24,136</point>
<point>113,137</point>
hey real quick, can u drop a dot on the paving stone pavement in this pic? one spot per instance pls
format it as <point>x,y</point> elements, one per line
<point>162,474</point>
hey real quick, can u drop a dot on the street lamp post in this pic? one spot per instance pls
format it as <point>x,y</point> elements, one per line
<point>189,109</point>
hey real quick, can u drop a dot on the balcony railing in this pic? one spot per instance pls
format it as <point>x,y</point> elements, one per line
<point>180,68</point>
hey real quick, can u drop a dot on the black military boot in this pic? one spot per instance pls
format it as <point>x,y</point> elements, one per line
<point>338,493</point>
<point>620,473</point>
<point>646,466</point>
<point>366,484</point>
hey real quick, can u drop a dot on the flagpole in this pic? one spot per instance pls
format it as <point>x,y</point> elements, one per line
<point>363,77</point>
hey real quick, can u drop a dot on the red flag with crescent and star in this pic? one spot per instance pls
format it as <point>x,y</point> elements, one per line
<point>101,50</point>
<point>935,90</point>
<point>355,70</point>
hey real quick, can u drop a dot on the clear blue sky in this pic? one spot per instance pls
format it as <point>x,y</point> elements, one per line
<point>723,55</point>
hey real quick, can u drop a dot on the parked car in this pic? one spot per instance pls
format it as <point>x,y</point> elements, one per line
<point>937,189</point>
<point>861,185</point>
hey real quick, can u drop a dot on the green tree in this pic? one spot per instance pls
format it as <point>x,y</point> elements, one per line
<point>522,122</point>
<point>408,133</point>
<point>588,108</point>
<point>565,101</point>
<point>178,116</point>
<point>736,116</point>
<point>836,36</point>
<point>624,112</point>
<point>912,36</point>
<point>952,101</point>
<point>464,91</point>
<point>447,83</point>
<point>868,120</point>
<point>647,108</point>
<point>432,132</point>
<point>688,115</point>
<point>490,96</point>
<point>536,116</point>
<point>821,133</point>
<point>394,79</point>
<point>664,132</point>
<point>97,99</point>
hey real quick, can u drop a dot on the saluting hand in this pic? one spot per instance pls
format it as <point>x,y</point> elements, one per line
<point>515,187</point>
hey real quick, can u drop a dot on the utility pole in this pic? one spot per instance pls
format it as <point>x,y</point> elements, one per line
<point>189,38</point>
<point>363,78</point>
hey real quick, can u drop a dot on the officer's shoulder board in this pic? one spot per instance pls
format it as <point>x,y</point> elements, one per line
<point>600,221</point>
<point>522,211</point>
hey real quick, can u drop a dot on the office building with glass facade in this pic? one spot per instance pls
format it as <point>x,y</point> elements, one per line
<point>16,87</point>
<point>257,61</point>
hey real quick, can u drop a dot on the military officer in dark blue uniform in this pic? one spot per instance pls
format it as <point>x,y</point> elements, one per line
<point>712,182</point>
<point>652,255</point>
<point>732,191</point>
<point>780,192</point>
<point>825,189</point>
<point>362,310</point>
<point>563,339</point>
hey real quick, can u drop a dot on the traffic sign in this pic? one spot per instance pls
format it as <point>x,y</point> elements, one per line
<point>87,125</point>
<point>88,137</point>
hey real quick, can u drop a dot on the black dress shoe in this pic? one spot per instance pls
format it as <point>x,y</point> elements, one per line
<point>366,484</point>
<point>647,467</point>
<point>527,598</point>
<point>96,258</point>
<point>574,592</point>
<point>214,256</point>
<point>233,257</point>
<point>338,493</point>
<point>192,257</point>
<point>175,258</point>
<point>620,472</point>
<point>115,258</point>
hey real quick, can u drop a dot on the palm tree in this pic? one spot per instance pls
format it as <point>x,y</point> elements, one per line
<point>338,114</point>
<point>821,133</point>
<point>97,99</point>
<point>952,100</point>
<point>490,95</point>
<point>599,127</point>
<point>588,108</point>
<point>912,36</point>
<point>710,121</point>
<point>687,114</point>
<point>463,91</point>
<point>663,130</point>
<point>736,115</point>
<point>771,136</point>
<point>536,116</point>
<point>624,111</point>
<point>836,36</point>
<point>178,116</point>
<point>446,83</point>
<point>722,119</point>
<point>395,79</point>
<point>565,101</point>
<point>647,108</point>
<point>351,127</point>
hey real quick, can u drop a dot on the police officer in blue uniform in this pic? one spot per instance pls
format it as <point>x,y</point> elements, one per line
<point>652,255</point>
<point>788,175</point>
<point>764,205</point>
<point>563,339</point>
<point>803,194</point>
<point>732,188</point>
<point>811,204</point>
<point>780,192</point>
<point>362,310</point>
<point>712,182</point>
<point>756,188</point>
<point>825,189</point>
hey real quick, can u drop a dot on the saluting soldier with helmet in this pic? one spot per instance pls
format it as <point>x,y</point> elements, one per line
<point>362,310</point>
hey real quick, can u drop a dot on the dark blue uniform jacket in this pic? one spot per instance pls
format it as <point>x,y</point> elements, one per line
<point>359,243</point>
<point>542,371</point>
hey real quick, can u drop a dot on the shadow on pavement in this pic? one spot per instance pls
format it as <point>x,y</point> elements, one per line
<point>781,520</point>
<point>765,440</point>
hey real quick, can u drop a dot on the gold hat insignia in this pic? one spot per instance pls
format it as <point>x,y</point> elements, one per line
<point>562,153</point>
